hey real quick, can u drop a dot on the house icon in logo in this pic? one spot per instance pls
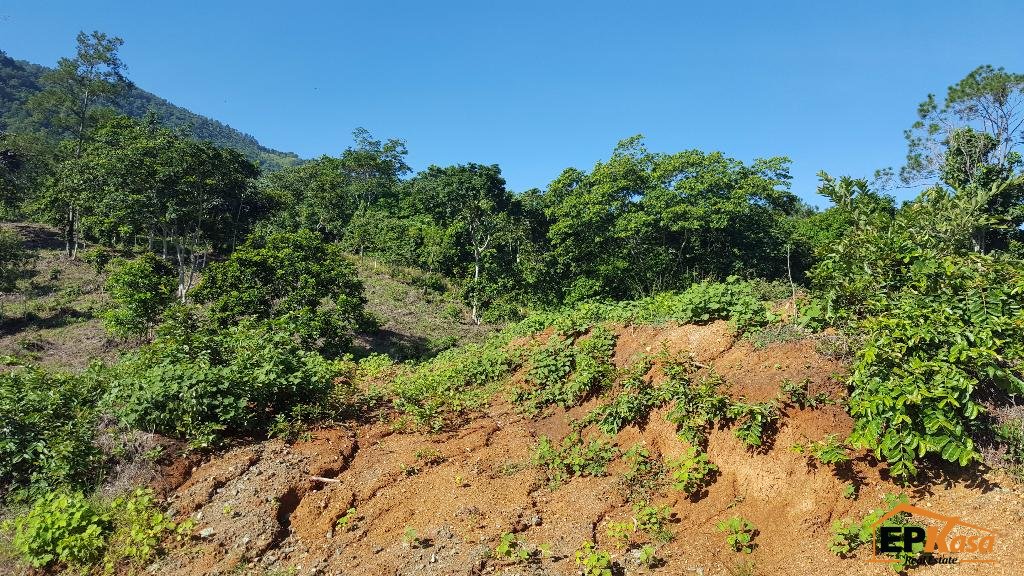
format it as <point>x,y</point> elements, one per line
<point>945,535</point>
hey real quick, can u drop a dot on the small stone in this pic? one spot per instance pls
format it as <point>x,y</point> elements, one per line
<point>378,549</point>
<point>206,532</point>
<point>433,558</point>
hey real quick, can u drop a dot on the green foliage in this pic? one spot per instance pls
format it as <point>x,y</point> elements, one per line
<point>438,392</point>
<point>796,394</point>
<point>739,534</point>
<point>755,421</point>
<point>48,424</point>
<point>574,456</point>
<point>698,406</point>
<point>594,562</point>
<point>829,451</point>
<point>202,384</point>
<point>568,368</point>
<point>644,475</point>
<point>691,471</point>
<point>141,289</point>
<point>633,401</point>
<point>1011,435</point>
<point>139,531</point>
<point>649,557</point>
<point>13,258</point>
<point>849,535</point>
<point>653,520</point>
<point>511,548</point>
<point>297,280</point>
<point>62,527</point>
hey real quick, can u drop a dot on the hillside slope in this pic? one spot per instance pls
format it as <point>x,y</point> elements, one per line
<point>20,79</point>
<point>438,504</point>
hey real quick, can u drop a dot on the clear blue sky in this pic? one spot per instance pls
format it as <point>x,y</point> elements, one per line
<point>540,86</point>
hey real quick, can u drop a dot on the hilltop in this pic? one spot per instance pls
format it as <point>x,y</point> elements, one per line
<point>20,79</point>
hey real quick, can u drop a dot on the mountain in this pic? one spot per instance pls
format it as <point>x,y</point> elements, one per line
<point>20,79</point>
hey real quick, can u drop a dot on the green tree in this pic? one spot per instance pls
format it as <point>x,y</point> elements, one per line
<point>71,104</point>
<point>969,143</point>
<point>472,201</point>
<point>141,289</point>
<point>293,278</point>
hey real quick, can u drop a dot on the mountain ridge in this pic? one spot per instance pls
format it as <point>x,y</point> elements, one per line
<point>19,79</point>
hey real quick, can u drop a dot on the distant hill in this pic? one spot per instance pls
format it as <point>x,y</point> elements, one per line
<point>20,79</point>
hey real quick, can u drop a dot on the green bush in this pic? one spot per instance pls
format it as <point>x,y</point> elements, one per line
<point>65,528</point>
<point>691,472</point>
<point>739,534</point>
<point>201,383</point>
<point>574,456</point>
<point>13,257</point>
<point>61,527</point>
<point>755,421</point>
<point>141,289</point>
<point>940,323</point>
<point>48,424</point>
<point>296,279</point>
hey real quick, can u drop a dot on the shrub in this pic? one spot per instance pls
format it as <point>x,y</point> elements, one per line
<point>141,289</point>
<point>653,521</point>
<point>62,527</point>
<point>849,535</point>
<point>13,257</point>
<point>755,421</point>
<point>739,534</point>
<point>644,475</point>
<point>632,403</point>
<point>573,457</point>
<point>697,408</point>
<point>828,451</point>
<point>48,424</point>
<point>298,279</point>
<point>201,383</point>
<point>594,562</point>
<point>691,472</point>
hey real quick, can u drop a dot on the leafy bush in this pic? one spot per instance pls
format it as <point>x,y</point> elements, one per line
<point>739,534</point>
<point>653,520</point>
<point>13,257</point>
<point>141,289</point>
<point>940,323</point>
<point>829,451</point>
<point>298,279</point>
<point>691,472</point>
<point>594,562</point>
<point>48,423</point>
<point>573,457</point>
<point>438,391</point>
<point>634,400</point>
<point>644,475</point>
<point>796,394</point>
<point>62,527</point>
<point>697,407</point>
<point>201,383</point>
<point>568,368</point>
<point>849,535</point>
<point>755,421</point>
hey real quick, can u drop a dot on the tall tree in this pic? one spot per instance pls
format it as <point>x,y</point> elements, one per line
<point>969,143</point>
<point>471,200</point>
<point>74,94</point>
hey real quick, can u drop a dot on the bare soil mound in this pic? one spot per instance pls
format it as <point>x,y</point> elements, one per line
<point>437,503</point>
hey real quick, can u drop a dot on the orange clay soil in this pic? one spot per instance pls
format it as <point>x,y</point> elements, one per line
<point>259,509</point>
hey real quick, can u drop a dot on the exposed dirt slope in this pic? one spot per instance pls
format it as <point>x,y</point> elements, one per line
<point>260,508</point>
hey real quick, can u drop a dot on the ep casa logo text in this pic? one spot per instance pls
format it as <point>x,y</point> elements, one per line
<point>943,540</point>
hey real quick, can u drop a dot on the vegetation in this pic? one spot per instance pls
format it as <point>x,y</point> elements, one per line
<point>739,534</point>
<point>238,294</point>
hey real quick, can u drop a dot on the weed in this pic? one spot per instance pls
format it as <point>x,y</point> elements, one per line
<point>850,491</point>
<point>797,394</point>
<point>347,521</point>
<point>643,477</point>
<point>755,421</point>
<point>739,534</point>
<point>413,540</point>
<point>829,451</point>
<point>592,561</point>
<point>620,533</point>
<point>653,520</point>
<point>691,472</point>
<point>648,557</point>
<point>573,457</point>
<point>698,407</point>
<point>849,535</point>
<point>511,548</point>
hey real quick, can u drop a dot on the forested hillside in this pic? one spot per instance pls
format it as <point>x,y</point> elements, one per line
<point>19,80</point>
<point>662,362</point>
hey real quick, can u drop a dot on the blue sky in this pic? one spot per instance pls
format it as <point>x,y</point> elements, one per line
<point>540,86</point>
